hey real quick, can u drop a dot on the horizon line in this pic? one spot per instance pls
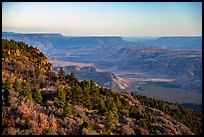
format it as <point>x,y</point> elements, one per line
<point>100,35</point>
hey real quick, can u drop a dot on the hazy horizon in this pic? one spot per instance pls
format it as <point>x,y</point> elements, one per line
<point>127,19</point>
<point>103,35</point>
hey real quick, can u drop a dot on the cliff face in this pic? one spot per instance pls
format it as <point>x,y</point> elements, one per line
<point>36,100</point>
<point>189,43</point>
<point>41,41</point>
<point>50,42</point>
<point>183,66</point>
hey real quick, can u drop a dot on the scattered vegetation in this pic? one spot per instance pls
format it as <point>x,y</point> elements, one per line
<point>37,101</point>
<point>190,118</point>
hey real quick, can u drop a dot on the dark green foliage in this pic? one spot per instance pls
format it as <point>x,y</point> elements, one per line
<point>54,77</point>
<point>61,74</point>
<point>101,106</point>
<point>68,93</point>
<point>67,110</point>
<point>118,104</point>
<point>112,107</point>
<point>109,121</point>
<point>76,93</point>
<point>124,103</point>
<point>135,112</point>
<point>86,124</point>
<point>37,96</point>
<point>60,94</point>
<point>7,84</point>
<point>149,117</point>
<point>71,92</point>
<point>89,104</point>
<point>26,91</point>
<point>6,93</point>
<point>17,86</point>
<point>86,98</point>
<point>190,118</point>
<point>72,79</point>
<point>12,45</point>
<point>92,85</point>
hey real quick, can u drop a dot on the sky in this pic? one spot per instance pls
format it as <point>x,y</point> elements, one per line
<point>104,18</point>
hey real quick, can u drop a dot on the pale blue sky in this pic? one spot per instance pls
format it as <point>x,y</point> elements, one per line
<point>104,18</point>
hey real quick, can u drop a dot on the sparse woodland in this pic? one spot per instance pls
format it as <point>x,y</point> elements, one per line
<point>38,101</point>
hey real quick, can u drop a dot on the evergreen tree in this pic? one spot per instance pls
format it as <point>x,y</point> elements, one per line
<point>89,104</point>
<point>92,85</point>
<point>67,110</point>
<point>118,104</point>
<point>73,80</point>
<point>86,92</point>
<point>109,120</point>
<point>76,94</point>
<point>86,124</point>
<point>37,96</point>
<point>135,112</point>
<point>17,86</point>
<point>68,93</point>
<point>61,74</point>
<point>26,91</point>
<point>6,93</point>
<point>114,109</point>
<point>7,84</point>
<point>61,96</point>
<point>101,106</point>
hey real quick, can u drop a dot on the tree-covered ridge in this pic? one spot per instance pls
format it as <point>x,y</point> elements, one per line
<point>22,50</point>
<point>190,118</point>
<point>36,100</point>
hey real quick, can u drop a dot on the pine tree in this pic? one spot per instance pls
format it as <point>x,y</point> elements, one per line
<point>86,93</point>
<point>76,94</point>
<point>89,104</point>
<point>37,96</point>
<point>68,93</point>
<point>87,125</point>
<point>135,112</point>
<point>26,91</point>
<point>101,106</point>
<point>61,73</point>
<point>109,120</point>
<point>61,96</point>
<point>114,109</point>
<point>17,86</point>
<point>73,80</point>
<point>118,104</point>
<point>93,85</point>
<point>67,110</point>
<point>7,84</point>
<point>6,93</point>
